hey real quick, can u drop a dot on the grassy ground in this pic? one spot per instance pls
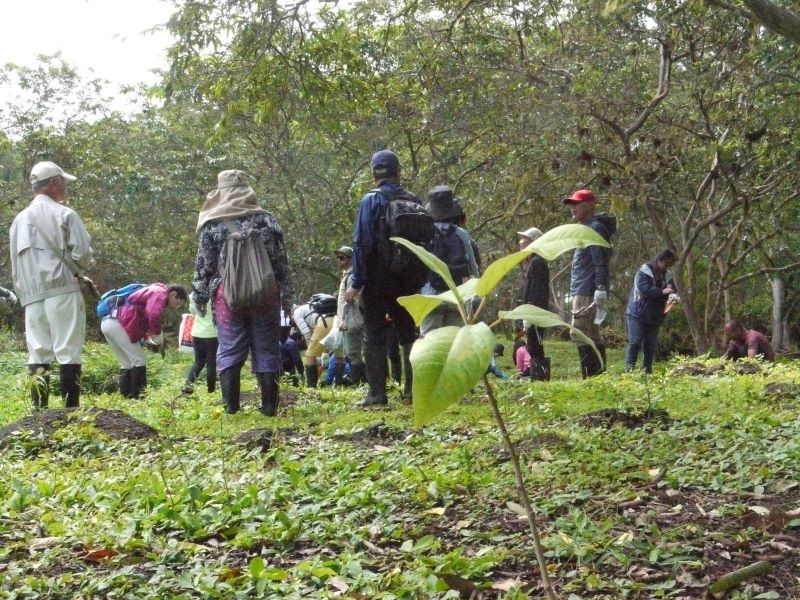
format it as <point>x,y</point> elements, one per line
<point>359,504</point>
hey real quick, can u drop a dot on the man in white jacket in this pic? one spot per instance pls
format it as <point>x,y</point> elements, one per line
<point>50,248</point>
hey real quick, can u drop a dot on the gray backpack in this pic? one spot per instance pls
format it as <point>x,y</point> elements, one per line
<point>248,279</point>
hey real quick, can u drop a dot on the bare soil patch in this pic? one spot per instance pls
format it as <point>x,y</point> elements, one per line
<point>114,423</point>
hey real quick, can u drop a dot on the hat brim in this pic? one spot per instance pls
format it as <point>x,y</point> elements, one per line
<point>68,177</point>
<point>571,200</point>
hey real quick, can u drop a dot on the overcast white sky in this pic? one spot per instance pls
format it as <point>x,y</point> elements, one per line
<point>105,36</point>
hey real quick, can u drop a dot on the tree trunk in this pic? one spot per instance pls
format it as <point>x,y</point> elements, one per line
<point>780,326</point>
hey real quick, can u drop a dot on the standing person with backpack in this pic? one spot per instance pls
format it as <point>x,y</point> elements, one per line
<point>133,319</point>
<point>453,245</point>
<point>536,291</point>
<point>589,280</point>
<point>49,249</point>
<point>382,271</point>
<point>314,320</point>
<point>242,272</point>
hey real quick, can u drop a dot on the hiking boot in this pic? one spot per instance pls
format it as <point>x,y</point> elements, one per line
<point>187,389</point>
<point>269,393</point>
<point>70,376</point>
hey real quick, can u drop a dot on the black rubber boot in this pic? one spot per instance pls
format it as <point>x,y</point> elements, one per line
<point>590,364</point>
<point>311,376</point>
<point>408,373</point>
<point>602,350</point>
<point>583,353</point>
<point>70,376</point>
<point>397,368</point>
<point>376,377</point>
<point>537,370</point>
<point>269,393</point>
<point>40,384</point>
<point>357,373</point>
<point>125,381</point>
<point>338,374</point>
<point>547,368</point>
<point>229,383</point>
<point>138,382</point>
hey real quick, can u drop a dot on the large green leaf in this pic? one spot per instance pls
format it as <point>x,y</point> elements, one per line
<point>553,243</point>
<point>420,306</point>
<point>544,318</point>
<point>431,261</point>
<point>447,362</point>
<point>566,237</point>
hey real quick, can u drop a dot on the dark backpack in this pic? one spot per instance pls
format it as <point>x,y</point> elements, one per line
<point>406,218</point>
<point>112,300</point>
<point>448,246</point>
<point>324,305</point>
<point>248,279</point>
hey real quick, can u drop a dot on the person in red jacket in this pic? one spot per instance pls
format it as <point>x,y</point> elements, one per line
<point>138,321</point>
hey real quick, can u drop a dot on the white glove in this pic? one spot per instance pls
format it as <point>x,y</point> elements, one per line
<point>600,298</point>
<point>157,339</point>
<point>673,299</point>
<point>12,297</point>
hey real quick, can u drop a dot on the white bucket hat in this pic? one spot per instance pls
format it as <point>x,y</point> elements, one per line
<point>532,233</point>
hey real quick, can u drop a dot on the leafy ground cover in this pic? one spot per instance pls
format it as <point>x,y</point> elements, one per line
<point>648,488</point>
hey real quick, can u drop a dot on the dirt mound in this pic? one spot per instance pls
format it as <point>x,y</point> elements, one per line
<point>114,423</point>
<point>377,432</point>
<point>697,369</point>
<point>781,390</point>
<point>608,417</point>
<point>261,437</point>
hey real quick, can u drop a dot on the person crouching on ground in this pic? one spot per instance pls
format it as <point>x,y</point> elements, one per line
<point>747,343</point>
<point>137,320</point>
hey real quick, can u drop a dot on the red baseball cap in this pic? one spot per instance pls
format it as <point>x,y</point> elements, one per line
<point>579,196</point>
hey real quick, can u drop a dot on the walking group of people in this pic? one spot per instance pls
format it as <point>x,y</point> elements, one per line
<point>241,295</point>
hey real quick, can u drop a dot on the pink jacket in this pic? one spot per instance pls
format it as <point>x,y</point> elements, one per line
<point>141,314</point>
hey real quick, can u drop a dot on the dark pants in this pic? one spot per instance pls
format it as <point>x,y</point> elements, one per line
<point>205,356</point>
<point>535,344</point>
<point>377,303</point>
<point>256,332</point>
<point>641,337</point>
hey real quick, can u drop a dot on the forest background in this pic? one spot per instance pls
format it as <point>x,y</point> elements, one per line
<point>681,116</point>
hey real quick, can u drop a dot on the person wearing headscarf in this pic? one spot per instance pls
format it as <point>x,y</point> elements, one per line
<point>256,331</point>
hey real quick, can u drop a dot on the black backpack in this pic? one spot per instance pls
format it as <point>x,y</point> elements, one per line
<point>406,218</point>
<point>323,305</point>
<point>248,279</point>
<point>449,248</point>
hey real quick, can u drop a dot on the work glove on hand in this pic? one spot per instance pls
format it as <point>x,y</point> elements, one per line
<point>600,298</point>
<point>11,299</point>
<point>673,299</point>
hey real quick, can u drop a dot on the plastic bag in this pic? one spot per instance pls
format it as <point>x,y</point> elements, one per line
<point>185,333</point>
<point>334,340</point>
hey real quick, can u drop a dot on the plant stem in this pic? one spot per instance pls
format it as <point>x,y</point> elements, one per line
<point>521,491</point>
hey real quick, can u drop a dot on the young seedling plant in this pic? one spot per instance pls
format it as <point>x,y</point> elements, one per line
<point>449,361</point>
